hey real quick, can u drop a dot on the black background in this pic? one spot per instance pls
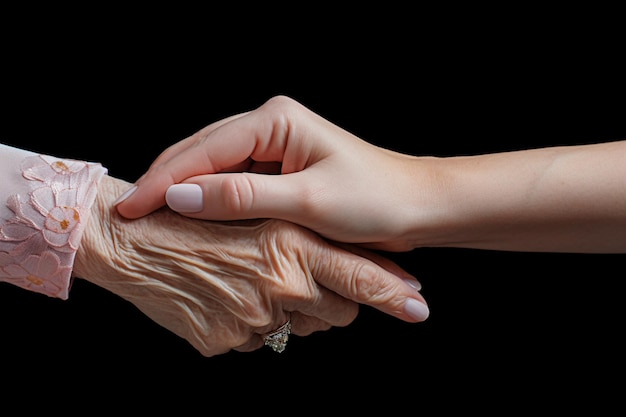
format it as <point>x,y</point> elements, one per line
<point>507,331</point>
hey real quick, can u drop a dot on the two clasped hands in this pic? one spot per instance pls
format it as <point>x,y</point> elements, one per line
<point>299,204</point>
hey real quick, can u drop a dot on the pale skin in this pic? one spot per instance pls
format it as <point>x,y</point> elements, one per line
<point>223,285</point>
<point>553,199</point>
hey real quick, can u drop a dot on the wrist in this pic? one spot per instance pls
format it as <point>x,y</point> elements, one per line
<point>95,256</point>
<point>432,214</point>
<point>465,201</point>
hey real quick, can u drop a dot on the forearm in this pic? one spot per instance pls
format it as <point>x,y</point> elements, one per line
<point>561,199</point>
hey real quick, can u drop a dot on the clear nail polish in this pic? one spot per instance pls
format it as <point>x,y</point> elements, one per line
<point>126,194</point>
<point>417,310</point>
<point>413,283</point>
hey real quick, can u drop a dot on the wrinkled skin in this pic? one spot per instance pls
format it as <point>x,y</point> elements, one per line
<point>222,286</point>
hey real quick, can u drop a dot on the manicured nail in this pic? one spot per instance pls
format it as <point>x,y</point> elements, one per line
<point>124,196</point>
<point>419,311</point>
<point>185,198</point>
<point>413,283</point>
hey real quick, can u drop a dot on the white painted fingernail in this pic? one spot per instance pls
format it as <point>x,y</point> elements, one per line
<point>185,198</point>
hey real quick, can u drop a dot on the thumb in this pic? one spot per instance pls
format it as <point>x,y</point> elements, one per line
<point>236,196</point>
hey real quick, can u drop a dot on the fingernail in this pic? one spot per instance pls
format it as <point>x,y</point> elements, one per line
<point>417,310</point>
<point>413,283</point>
<point>126,194</point>
<point>186,198</point>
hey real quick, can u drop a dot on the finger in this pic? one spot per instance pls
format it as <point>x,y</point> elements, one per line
<point>229,144</point>
<point>185,144</point>
<point>363,280</point>
<point>321,310</point>
<point>301,325</point>
<point>304,325</point>
<point>385,263</point>
<point>255,342</point>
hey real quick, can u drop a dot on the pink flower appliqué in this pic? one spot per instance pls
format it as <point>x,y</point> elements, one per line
<point>54,172</point>
<point>43,274</point>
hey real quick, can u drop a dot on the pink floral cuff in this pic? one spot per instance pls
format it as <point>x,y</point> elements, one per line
<point>50,209</point>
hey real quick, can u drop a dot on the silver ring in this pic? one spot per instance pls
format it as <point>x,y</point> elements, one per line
<point>277,339</point>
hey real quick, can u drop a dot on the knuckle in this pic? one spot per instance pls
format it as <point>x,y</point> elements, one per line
<point>369,284</point>
<point>237,192</point>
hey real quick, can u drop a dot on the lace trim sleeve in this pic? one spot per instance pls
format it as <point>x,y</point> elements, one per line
<point>49,212</point>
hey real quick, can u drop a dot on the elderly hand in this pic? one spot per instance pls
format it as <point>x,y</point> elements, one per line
<point>223,286</point>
